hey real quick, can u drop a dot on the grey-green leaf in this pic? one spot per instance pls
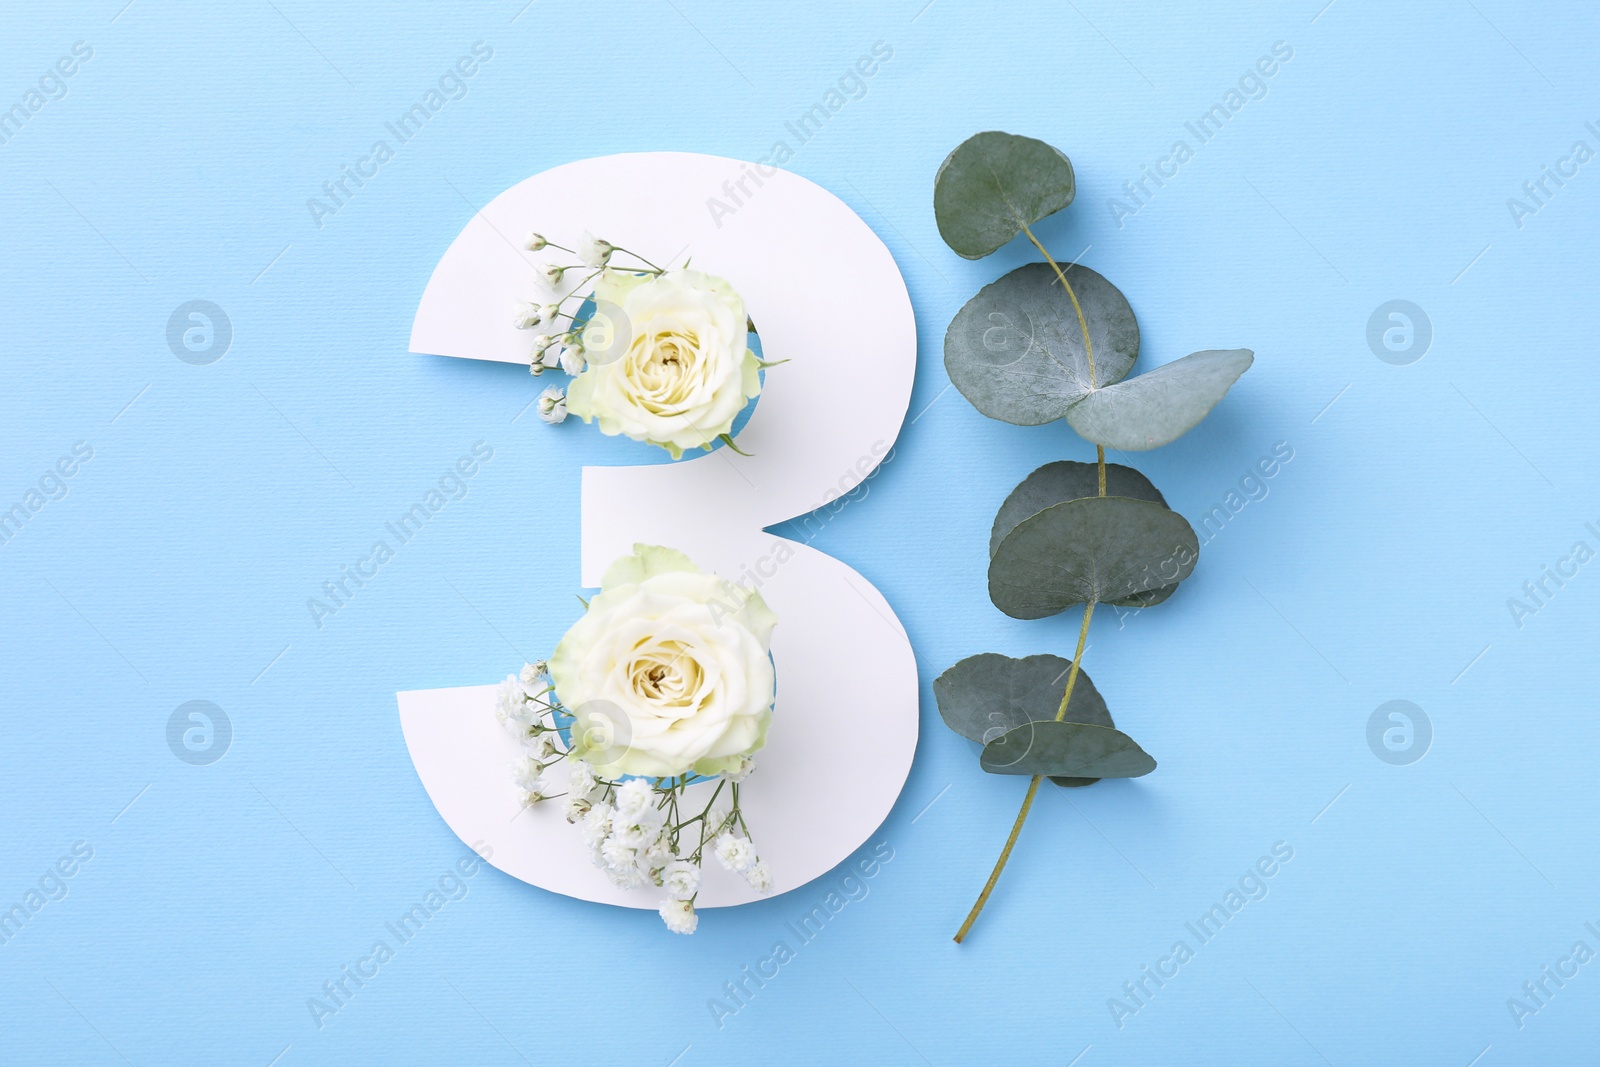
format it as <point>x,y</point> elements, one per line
<point>1094,549</point>
<point>1161,405</point>
<point>1016,351</point>
<point>1063,480</point>
<point>987,695</point>
<point>993,185</point>
<point>1147,599</point>
<point>1070,749</point>
<point>1070,480</point>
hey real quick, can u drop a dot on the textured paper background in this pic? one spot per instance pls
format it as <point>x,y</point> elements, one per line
<point>1376,167</point>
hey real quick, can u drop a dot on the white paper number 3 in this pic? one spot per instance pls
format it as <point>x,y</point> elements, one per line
<point>828,297</point>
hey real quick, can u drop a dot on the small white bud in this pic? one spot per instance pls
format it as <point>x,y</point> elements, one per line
<point>525,316</point>
<point>593,251</point>
<point>535,242</point>
<point>553,405</point>
<point>572,360</point>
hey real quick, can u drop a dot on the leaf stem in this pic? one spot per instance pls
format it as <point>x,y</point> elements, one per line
<point>1088,345</point>
<point>1033,786</point>
<point>1000,864</point>
<point>1083,325</point>
<point>1077,658</point>
<point>1083,630</point>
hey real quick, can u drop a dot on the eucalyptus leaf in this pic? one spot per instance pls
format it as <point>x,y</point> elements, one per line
<point>1063,480</point>
<point>987,695</point>
<point>1016,351</point>
<point>1149,598</point>
<point>1069,749</point>
<point>1070,480</point>
<point>1161,405</point>
<point>993,186</point>
<point>1093,549</point>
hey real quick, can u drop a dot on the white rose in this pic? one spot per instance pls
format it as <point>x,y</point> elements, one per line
<point>683,372</point>
<point>669,670</point>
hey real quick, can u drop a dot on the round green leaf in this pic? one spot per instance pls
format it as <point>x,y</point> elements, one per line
<point>995,184</point>
<point>1015,350</point>
<point>1072,749</point>
<point>987,695</point>
<point>1161,405</point>
<point>1094,549</point>
<point>1147,599</point>
<point>1070,480</point>
<point>1063,480</point>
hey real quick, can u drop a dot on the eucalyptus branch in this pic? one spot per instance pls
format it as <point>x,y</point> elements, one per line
<point>1033,786</point>
<point>1061,537</point>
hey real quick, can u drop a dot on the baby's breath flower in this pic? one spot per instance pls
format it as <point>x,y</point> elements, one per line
<point>551,274</point>
<point>576,808</point>
<point>553,405</point>
<point>581,783</point>
<point>593,251</point>
<point>759,876</point>
<point>528,775</point>
<point>617,854</point>
<point>513,708</point>
<point>656,858</point>
<point>525,315</point>
<point>641,831</point>
<point>550,358</point>
<point>627,878</point>
<point>572,359</point>
<point>596,825</point>
<point>679,916</point>
<point>735,853</point>
<point>681,879</point>
<point>534,242</point>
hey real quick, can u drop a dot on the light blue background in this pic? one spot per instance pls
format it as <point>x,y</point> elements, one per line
<point>1376,167</point>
